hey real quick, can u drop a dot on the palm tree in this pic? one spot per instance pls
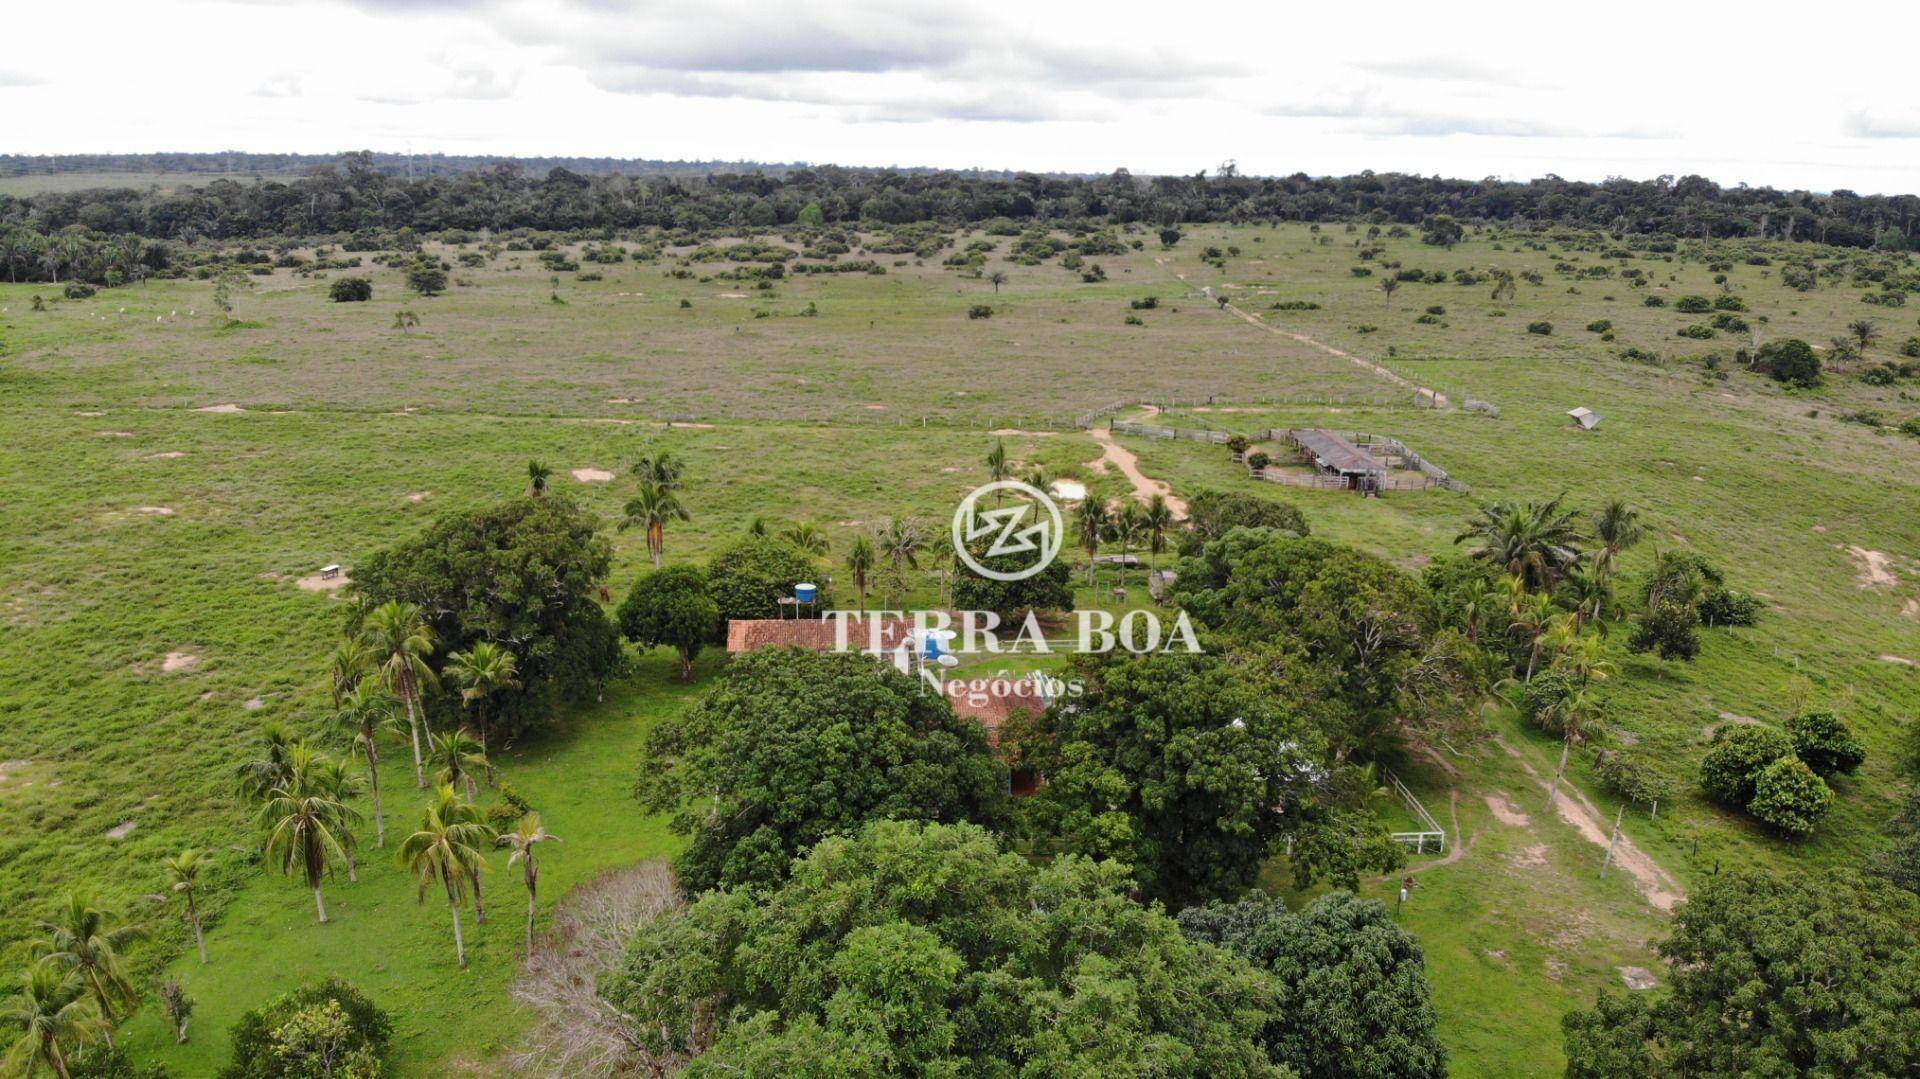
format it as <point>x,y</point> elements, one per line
<point>997,466</point>
<point>537,477</point>
<point>1477,602</point>
<point>446,848</point>
<point>84,940</point>
<point>482,673</point>
<point>660,470</point>
<point>1533,615</point>
<point>183,882</point>
<point>1040,479</point>
<point>1574,711</point>
<point>256,779</point>
<point>808,538</point>
<point>351,660</point>
<point>333,777</point>
<point>54,1015</point>
<point>998,278</point>
<point>366,711</point>
<point>1158,519</point>
<point>1586,593</point>
<point>523,839</point>
<point>1617,526</point>
<point>1864,330</point>
<point>860,561</point>
<point>900,540</point>
<point>1096,521</point>
<point>307,826</point>
<point>402,641</point>
<point>457,753</point>
<point>651,509</point>
<point>1389,286</point>
<point>1535,540</point>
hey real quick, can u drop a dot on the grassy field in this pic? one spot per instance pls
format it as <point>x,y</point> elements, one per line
<point>140,526</point>
<point>43,182</point>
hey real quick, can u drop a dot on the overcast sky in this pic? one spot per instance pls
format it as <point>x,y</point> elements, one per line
<point>1817,97</point>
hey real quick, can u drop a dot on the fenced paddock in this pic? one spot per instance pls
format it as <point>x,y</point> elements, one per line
<point>1409,471</point>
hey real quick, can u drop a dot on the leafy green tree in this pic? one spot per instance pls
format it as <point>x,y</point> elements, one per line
<point>1733,765</point>
<point>526,571</point>
<point>1789,796</point>
<point>328,1030</point>
<point>53,1015</point>
<point>1350,986</point>
<point>183,884</point>
<point>308,828</point>
<point>1826,744</point>
<point>447,849</point>
<point>1791,361</point>
<point>1177,765</point>
<point>399,636</point>
<point>1212,514</point>
<point>1441,230</point>
<point>350,290</point>
<point>790,747</point>
<point>1899,862</point>
<point>749,577</point>
<point>672,607</point>
<point>426,277</point>
<point>1669,631</point>
<point>525,840</point>
<point>917,948</point>
<point>1048,590</point>
<point>1771,975</point>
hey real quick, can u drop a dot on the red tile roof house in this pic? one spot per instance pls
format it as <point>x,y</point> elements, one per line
<point>992,706</point>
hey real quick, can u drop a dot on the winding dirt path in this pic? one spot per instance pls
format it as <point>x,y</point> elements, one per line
<point>1438,399</point>
<point>1144,487</point>
<point>1658,885</point>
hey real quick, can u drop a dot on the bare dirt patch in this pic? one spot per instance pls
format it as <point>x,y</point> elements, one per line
<point>592,475</point>
<point>1891,658</point>
<point>1873,569</point>
<point>179,661</point>
<point>8,769</point>
<point>227,408</point>
<point>1506,812</point>
<point>1015,432</point>
<point>1638,978</point>
<point>1654,882</point>
<point>154,511</point>
<point>320,583</point>
<point>114,434</point>
<point>419,496</point>
<point>1531,858</point>
<point>1120,457</point>
<point>165,455</point>
<point>122,830</point>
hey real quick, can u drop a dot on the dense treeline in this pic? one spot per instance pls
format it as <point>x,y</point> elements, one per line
<point>361,193</point>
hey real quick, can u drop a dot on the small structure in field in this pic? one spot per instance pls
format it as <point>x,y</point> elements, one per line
<point>1587,418</point>
<point>1333,456</point>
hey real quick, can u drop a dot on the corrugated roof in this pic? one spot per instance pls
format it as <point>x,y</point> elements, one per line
<point>1336,453</point>
<point>813,634</point>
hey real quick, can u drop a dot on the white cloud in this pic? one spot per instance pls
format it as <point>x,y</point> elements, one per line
<point>1518,90</point>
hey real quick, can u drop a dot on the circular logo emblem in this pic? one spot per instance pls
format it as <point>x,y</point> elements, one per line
<point>1028,524</point>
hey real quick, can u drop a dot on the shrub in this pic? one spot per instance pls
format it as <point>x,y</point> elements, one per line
<point>1633,779</point>
<point>1826,744</point>
<point>1258,460</point>
<point>279,1039</point>
<point>1693,305</point>
<point>1544,329</point>
<point>1729,302</point>
<point>1730,607</point>
<point>350,290</point>
<point>980,310</point>
<point>1731,768</point>
<point>1791,361</point>
<point>1667,630</point>
<point>77,290</point>
<point>1654,301</point>
<point>1911,348</point>
<point>1790,797</point>
<point>1146,303</point>
<point>1730,322</point>
<point>1697,331</point>
<point>1601,325</point>
<point>426,278</point>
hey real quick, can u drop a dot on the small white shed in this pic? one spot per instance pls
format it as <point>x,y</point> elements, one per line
<point>1587,418</point>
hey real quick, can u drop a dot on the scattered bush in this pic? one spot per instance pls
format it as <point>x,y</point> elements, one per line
<point>1730,607</point>
<point>1697,331</point>
<point>291,1036</point>
<point>1669,631</point>
<point>1826,744</point>
<point>350,290</point>
<point>1790,797</point>
<point>1731,768</point>
<point>1693,305</point>
<point>1601,325</point>
<point>980,310</point>
<point>77,290</point>
<point>1543,329</point>
<point>1791,361</point>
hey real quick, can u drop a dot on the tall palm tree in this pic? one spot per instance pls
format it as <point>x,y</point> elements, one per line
<point>1532,615</point>
<point>1574,712</point>
<point>483,672</point>
<point>1158,519</point>
<point>350,662</point>
<point>662,470</point>
<point>183,883</point>
<point>860,562</point>
<point>307,827</point>
<point>900,540</point>
<point>537,477</point>
<point>1477,602</point>
<point>1040,479</point>
<point>458,754</point>
<point>54,1015</point>
<point>1095,523</point>
<point>1617,526</point>
<point>807,537</point>
<point>1586,593</point>
<point>84,939</point>
<point>334,778</point>
<point>998,468</point>
<point>362,714</point>
<point>256,779</point>
<point>446,848</point>
<point>402,642</point>
<point>523,839</point>
<point>1536,540</point>
<point>651,509</point>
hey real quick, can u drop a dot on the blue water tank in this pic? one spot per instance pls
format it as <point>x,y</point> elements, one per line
<point>805,593</point>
